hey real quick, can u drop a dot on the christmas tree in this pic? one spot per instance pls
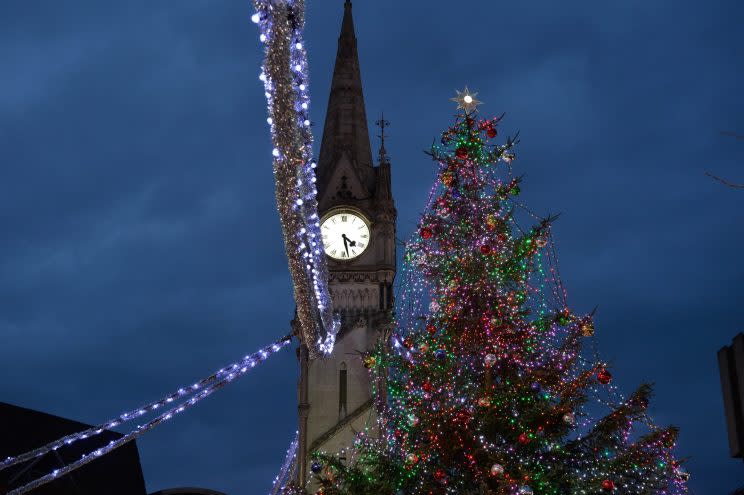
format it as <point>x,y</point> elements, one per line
<point>490,388</point>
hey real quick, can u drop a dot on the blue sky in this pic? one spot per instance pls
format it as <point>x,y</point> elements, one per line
<point>140,247</point>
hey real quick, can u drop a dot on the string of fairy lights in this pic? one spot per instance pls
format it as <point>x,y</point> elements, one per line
<point>489,375</point>
<point>288,469</point>
<point>197,392</point>
<point>285,77</point>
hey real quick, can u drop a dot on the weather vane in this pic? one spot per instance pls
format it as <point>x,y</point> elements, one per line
<point>382,124</point>
<point>466,100</point>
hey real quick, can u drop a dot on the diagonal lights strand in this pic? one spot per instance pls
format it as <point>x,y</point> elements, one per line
<point>286,472</point>
<point>208,385</point>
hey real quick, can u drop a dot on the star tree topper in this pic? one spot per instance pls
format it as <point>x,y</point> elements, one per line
<point>466,100</point>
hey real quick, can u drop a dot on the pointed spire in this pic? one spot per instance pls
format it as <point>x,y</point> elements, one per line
<point>345,130</point>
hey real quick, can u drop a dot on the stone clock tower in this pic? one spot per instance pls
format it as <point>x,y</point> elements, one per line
<point>358,226</point>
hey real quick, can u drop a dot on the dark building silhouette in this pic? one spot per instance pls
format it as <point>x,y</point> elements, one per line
<point>731,368</point>
<point>22,430</point>
<point>187,491</point>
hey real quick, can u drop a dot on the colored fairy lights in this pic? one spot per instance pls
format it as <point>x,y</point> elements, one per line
<point>285,77</point>
<point>490,388</point>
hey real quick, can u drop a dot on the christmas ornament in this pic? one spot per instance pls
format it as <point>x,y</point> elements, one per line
<point>370,362</point>
<point>412,458</point>
<point>433,307</point>
<point>440,354</point>
<point>413,420</point>
<point>461,152</point>
<point>485,249</point>
<point>440,476</point>
<point>316,467</point>
<point>535,386</point>
<point>569,418</point>
<point>608,485</point>
<point>484,402</point>
<point>604,377</point>
<point>448,179</point>
<point>431,329</point>
<point>540,242</point>
<point>525,490</point>
<point>490,360</point>
<point>427,387</point>
<point>587,326</point>
<point>491,132</point>
<point>524,439</point>
<point>681,473</point>
<point>497,470</point>
<point>426,233</point>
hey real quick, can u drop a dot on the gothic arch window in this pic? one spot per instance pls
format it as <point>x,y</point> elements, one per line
<point>342,391</point>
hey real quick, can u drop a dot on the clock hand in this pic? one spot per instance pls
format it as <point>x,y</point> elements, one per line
<point>346,246</point>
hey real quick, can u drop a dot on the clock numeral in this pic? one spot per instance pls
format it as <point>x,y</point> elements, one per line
<point>354,219</point>
<point>361,227</point>
<point>363,236</point>
<point>343,255</point>
<point>361,245</point>
<point>326,226</point>
<point>353,252</point>
<point>333,253</point>
<point>343,218</point>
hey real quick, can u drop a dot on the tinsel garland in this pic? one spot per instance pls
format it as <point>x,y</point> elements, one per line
<point>284,75</point>
<point>207,386</point>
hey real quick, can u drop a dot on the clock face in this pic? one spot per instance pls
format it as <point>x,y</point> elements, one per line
<point>345,235</point>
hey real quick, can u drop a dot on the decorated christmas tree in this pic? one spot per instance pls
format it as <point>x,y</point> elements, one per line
<point>492,383</point>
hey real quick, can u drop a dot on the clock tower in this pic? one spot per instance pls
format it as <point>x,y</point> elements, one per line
<point>358,225</point>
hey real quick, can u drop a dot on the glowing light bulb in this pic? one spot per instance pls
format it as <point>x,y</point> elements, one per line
<point>468,99</point>
<point>255,18</point>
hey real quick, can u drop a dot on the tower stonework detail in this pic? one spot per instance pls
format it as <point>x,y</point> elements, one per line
<point>335,393</point>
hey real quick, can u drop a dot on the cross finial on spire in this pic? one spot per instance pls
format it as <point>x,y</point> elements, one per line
<point>382,124</point>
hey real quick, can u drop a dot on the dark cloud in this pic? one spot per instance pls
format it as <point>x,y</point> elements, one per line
<point>140,248</point>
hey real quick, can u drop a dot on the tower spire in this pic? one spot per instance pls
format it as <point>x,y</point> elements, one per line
<point>345,130</point>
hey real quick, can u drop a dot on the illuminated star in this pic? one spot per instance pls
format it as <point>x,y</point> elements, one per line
<point>466,100</point>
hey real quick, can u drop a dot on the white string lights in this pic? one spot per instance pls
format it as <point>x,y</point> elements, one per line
<point>285,79</point>
<point>288,468</point>
<point>198,391</point>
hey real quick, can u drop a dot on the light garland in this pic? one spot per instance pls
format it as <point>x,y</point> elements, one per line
<point>285,77</point>
<point>289,466</point>
<point>200,389</point>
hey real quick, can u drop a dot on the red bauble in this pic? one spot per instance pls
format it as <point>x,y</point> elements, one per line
<point>427,387</point>
<point>461,152</point>
<point>431,329</point>
<point>604,377</point>
<point>524,439</point>
<point>485,249</point>
<point>440,476</point>
<point>426,233</point>
<point>491,132</point>
<point>608,485</point>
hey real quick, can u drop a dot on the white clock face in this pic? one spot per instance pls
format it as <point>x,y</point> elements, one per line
<point>345,235</point>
